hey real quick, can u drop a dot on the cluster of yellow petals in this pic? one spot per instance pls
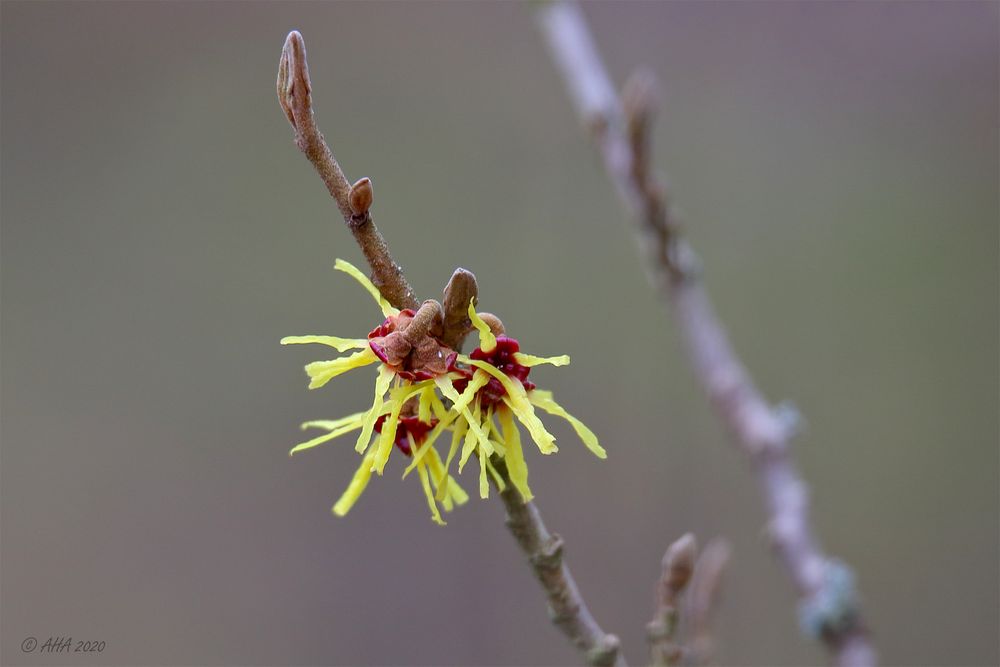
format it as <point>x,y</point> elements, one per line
<point>480,422</point>
<point>488,430</point>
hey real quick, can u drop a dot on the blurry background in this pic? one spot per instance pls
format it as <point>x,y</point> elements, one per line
<point>836,165</point>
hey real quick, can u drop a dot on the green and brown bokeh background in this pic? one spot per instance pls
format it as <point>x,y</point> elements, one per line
<point>836,165</point>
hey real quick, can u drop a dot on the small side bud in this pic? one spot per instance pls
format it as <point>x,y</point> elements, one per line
<point>361,196</point>
<point>493,322</point>
<point>426,321</point>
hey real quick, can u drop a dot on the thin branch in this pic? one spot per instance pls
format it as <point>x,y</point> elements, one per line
<point>295,97</point>
<point>828,603</point>
<point>567,608</point>
<point>544,550</point>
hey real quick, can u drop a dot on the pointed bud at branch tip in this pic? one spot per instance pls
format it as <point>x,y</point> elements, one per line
<point>294,87</point>
<point>361,196</point>
<point>460,290</point>
<point>678,563</point>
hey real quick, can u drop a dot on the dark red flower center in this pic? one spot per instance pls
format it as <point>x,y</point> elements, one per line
<point>502,358</point>
<point>407,426</point>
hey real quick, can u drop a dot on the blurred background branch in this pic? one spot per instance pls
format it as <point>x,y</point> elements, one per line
<point>828,604</point>
<point>678,565</point>
<point>687,597</point>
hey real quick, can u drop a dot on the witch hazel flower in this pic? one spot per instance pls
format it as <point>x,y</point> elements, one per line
<point>491,384</point>
<point>409,358</point>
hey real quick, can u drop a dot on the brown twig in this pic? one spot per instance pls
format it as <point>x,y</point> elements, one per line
<point>688,593</point>
<point>544,550</point>
<point>567,608</point>
<point>828,607</point>
<point>295,97</point>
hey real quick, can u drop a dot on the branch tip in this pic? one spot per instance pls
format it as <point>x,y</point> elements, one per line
<point>678,563</point>
<point>294,86</point>
<point>460,290</point>
<point>661,632</point>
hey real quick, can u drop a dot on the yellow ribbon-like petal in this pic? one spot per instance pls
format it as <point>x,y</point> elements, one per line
<point>531,360</point>
<point>518,402</point>
<point>429,494</point>
<point>428,443</point>
<point>448,389</point>
<point>517,468</point>
<point>457,493</point>
<point>438,407</point>
<point>382,382</point>
<point>321,372</point>
<point>434,465</point>
<point>497,479</point>
<point>340,344</point>
<point>478,381</point>
<point>309,444</point>
<point>487,341</point>
<point>492,434</point>
<point>331,424</point>
<point>397,397</point>
<point>424,407</point>
<point>484,483</point>
<point>469,445</point>
<point>351,270</point>
<point>448,492</point>
<point>544,400</point>
<point>355,488</point>
<point>456,439</point>
<point>337,428</point>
